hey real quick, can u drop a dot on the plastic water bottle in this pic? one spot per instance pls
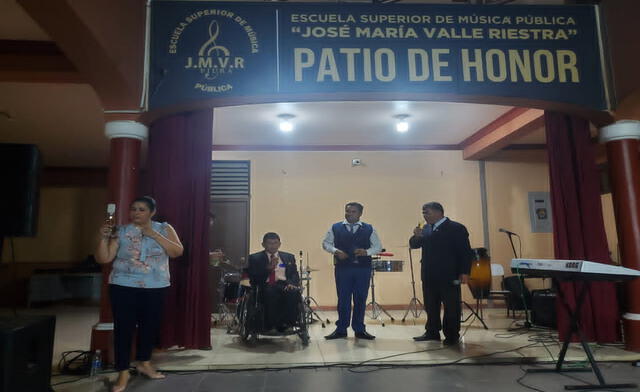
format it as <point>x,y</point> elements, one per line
<point>96,364</point>
<point>95,383</point>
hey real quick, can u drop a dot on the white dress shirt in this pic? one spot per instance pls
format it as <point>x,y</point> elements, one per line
<point>280,267</point>
<point>329,246</point>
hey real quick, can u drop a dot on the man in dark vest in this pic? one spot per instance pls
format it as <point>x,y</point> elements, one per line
<point>446,262</point>
<point>352,243</point>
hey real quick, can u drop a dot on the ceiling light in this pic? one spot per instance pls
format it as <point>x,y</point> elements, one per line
<point>286,125</point>
<point>402,125</point>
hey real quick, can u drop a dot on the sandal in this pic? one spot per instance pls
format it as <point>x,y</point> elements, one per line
<point>152,376</point>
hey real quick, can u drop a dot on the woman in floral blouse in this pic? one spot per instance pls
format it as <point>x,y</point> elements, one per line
<point>140,253</point>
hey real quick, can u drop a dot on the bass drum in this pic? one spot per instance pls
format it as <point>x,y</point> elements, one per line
<point>480,276</point>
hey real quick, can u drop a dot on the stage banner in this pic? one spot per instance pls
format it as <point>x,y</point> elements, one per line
<point>203,50</point>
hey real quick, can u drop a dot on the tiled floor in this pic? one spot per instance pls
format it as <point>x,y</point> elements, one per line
<point>478,378</point>
<point>393,347</point>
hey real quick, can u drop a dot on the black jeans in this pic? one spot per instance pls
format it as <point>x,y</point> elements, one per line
<point>133,306</point>
<point>435,294</point>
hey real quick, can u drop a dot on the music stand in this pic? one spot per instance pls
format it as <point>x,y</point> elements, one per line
<point>574,329</point>
<point>376,308</point>
<point>415,305</point>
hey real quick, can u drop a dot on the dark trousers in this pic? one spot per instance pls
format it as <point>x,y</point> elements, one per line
<point>281,306</point>
<point>445,293</point>
<point>133,306</point>
<point>352,283</point>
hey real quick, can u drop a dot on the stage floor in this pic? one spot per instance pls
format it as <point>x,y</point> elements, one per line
<point>349,362</point>
<point>393,345</point>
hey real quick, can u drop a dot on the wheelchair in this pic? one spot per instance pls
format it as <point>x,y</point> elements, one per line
<point>251,316</point>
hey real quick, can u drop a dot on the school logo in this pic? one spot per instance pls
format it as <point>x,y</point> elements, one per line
<point>218,48</point>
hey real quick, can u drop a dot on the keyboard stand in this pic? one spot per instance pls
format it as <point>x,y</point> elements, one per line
<point>574,329</point>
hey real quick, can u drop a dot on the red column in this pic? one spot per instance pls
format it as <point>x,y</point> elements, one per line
<point>126,139</point>
<point>622,142</point>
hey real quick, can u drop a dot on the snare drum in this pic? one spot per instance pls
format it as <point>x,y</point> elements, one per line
<point>231,292</point>
<point>387,265</point>
<point>229,287</point>
<point>231,277</point>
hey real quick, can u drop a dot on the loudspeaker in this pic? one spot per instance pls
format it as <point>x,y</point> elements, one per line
<point>543,308</point>
<point>26,353</point>
<point>19,176</point>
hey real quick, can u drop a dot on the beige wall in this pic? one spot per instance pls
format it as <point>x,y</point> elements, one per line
<point>510,177</point>
<point>300,194</point>
<point>68,221</point>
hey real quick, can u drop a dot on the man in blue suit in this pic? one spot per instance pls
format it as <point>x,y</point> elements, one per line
<point>352,243</point>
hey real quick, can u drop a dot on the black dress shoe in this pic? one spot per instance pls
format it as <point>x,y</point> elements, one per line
<point>426,337</point>
<point>451,342</point>
<point>336,335</point>
<point>364,335</point>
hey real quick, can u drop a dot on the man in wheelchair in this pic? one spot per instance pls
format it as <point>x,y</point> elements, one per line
<point>275,275</point>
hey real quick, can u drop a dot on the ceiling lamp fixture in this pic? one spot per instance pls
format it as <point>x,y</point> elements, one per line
<point>402,125</point>
<point>286,125</point>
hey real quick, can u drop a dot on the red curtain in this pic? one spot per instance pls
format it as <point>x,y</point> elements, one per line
<point>179,167</point>
<point>578,226</point>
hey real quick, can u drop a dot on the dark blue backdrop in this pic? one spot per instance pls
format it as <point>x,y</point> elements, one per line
<point>202,50</point>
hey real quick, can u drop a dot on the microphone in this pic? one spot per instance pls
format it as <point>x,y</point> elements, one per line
<point>506,231</point>
<point>111,210</point>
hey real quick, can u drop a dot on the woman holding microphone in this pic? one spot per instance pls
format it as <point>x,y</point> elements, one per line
<point>140,252</point>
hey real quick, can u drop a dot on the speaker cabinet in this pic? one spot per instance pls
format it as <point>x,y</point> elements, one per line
<point>26,353</point>
<point>19,176</point>
<point>543,308</point>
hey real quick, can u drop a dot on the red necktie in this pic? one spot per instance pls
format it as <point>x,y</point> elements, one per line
<point>272,267</point>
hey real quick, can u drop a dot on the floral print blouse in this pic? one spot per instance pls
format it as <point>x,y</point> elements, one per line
<point>140,260</point>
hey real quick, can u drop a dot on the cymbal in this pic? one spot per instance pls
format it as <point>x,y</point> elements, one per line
<point>225,265</point>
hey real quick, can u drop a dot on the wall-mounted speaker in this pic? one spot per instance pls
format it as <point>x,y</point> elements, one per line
<point>19,175</point>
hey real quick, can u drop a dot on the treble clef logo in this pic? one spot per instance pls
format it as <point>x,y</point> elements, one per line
<point>208,47</point>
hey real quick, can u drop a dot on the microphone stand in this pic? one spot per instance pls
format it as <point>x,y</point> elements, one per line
<point>515,255</point>
<point>527,322</point>
<point>415,306</point>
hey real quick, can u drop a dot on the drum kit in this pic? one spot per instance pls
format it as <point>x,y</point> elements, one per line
<point>379,265</point>
<point>305,276</point>
<point>231,287</point>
